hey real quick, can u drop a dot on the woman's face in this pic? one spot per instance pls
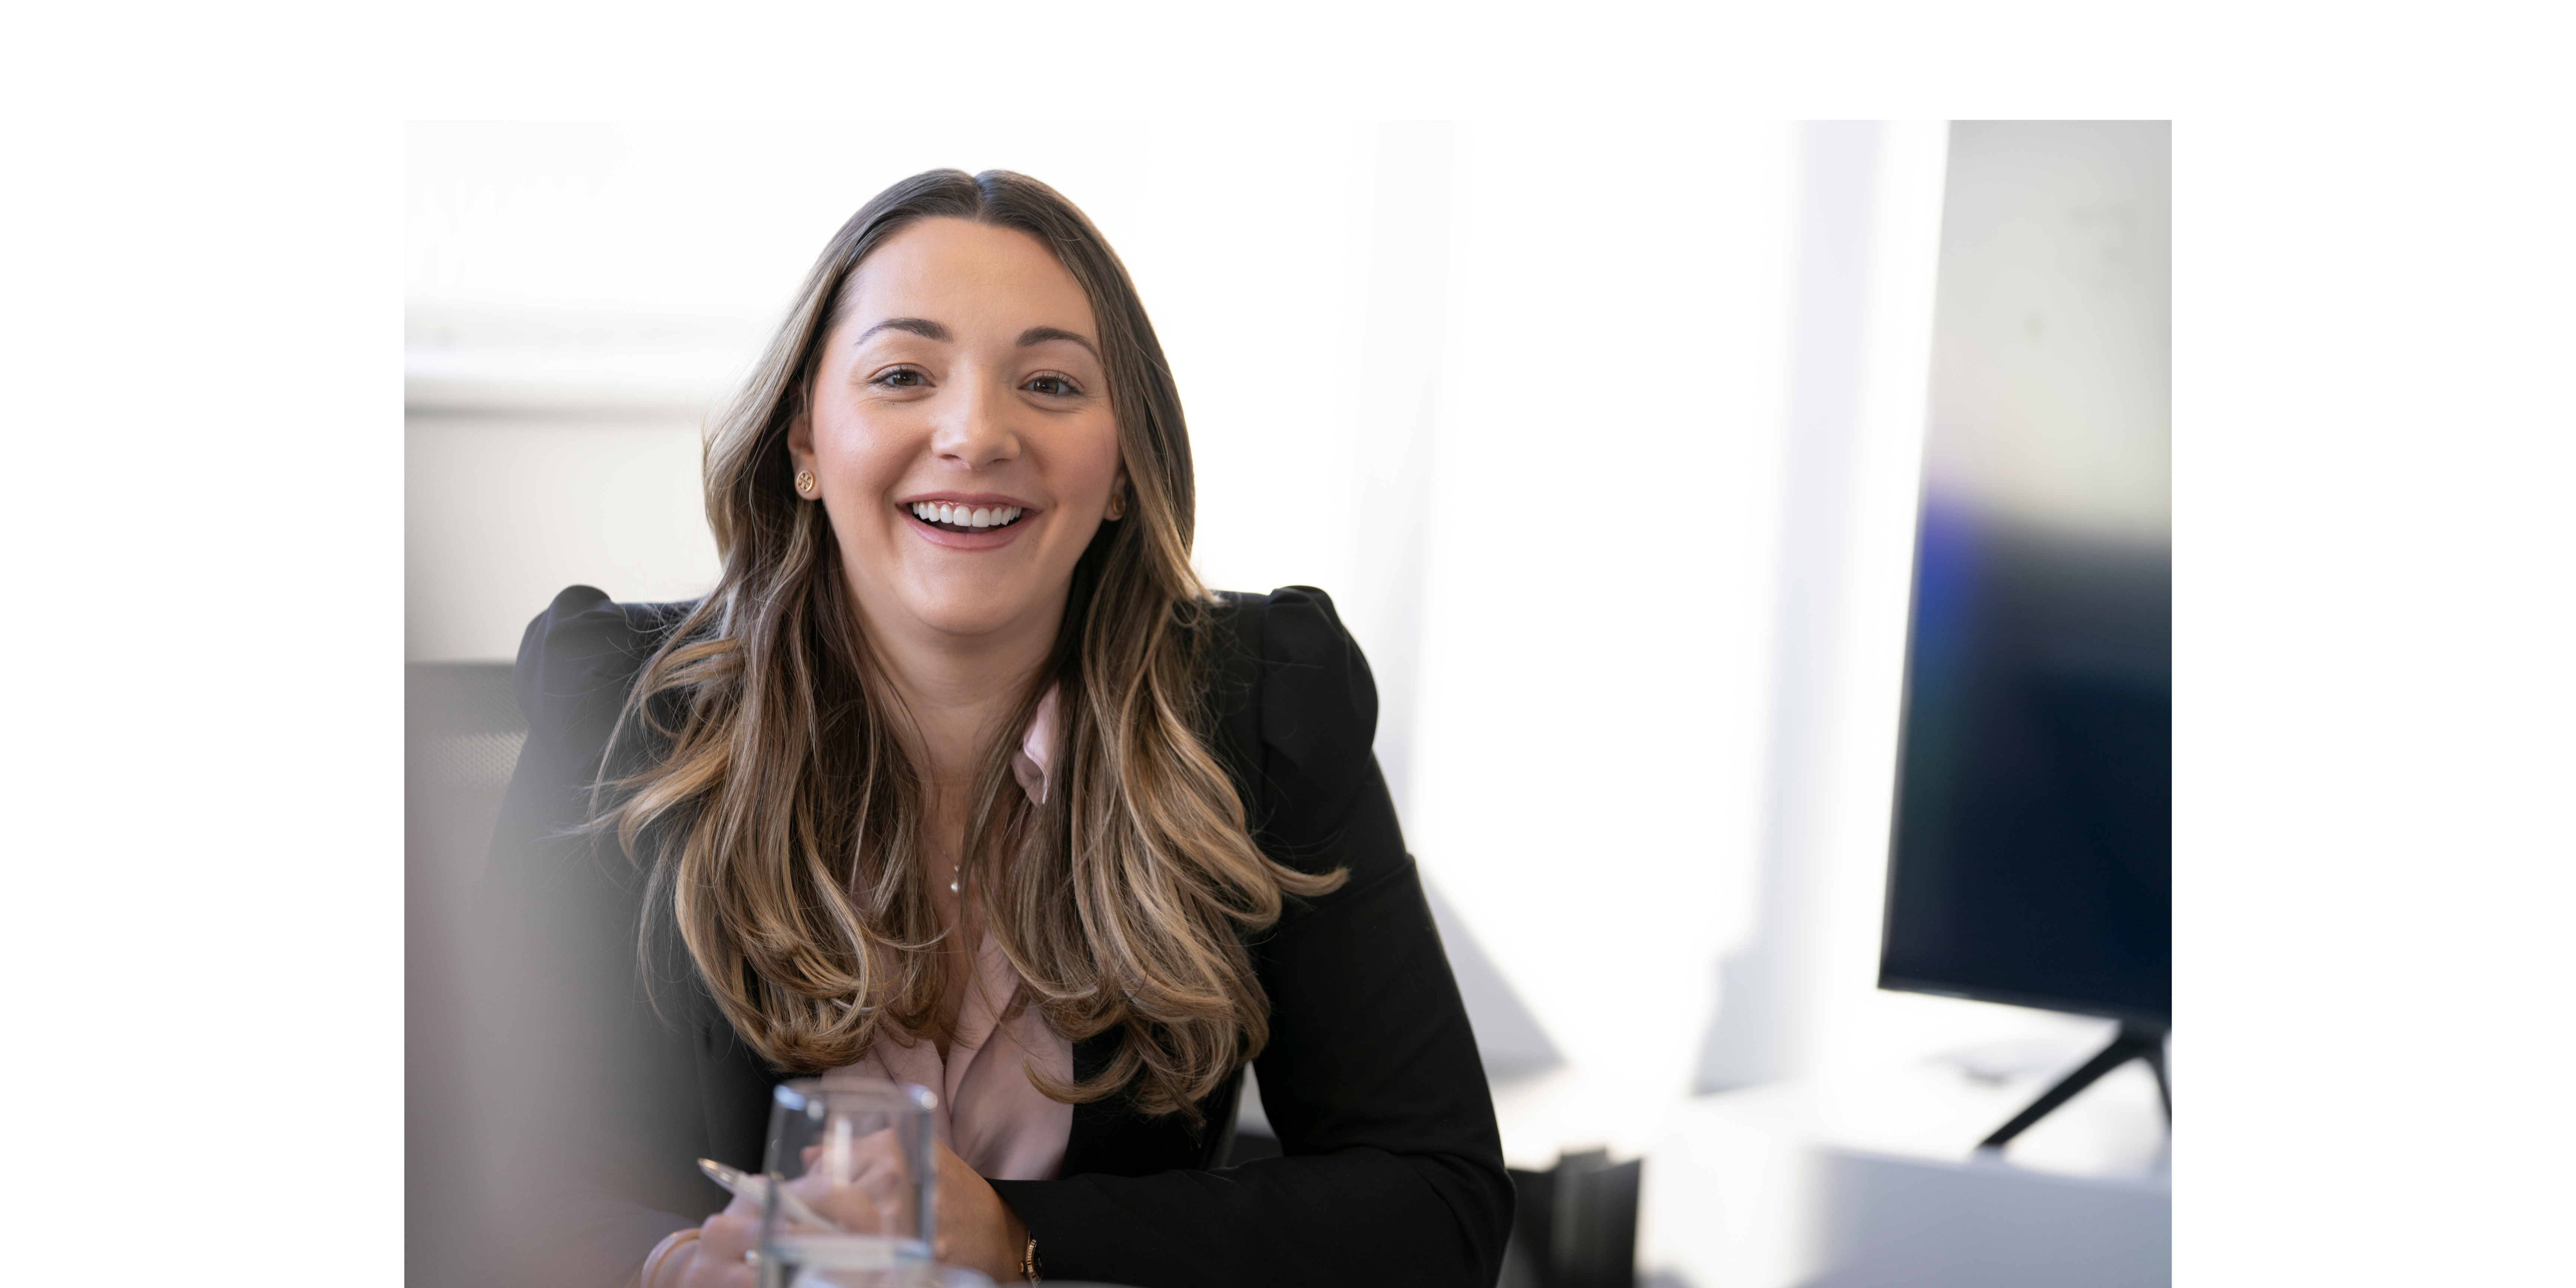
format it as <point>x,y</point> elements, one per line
<point>960,432</point>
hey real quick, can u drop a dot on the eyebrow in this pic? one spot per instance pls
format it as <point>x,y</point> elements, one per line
<point>1042,334</point>
<point>929,330</point>
<point>923,327</point>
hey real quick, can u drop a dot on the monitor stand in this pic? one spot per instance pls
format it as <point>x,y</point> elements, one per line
<point>2135,1042</point>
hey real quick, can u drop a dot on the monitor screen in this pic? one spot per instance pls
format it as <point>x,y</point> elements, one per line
<point>2032,852</point>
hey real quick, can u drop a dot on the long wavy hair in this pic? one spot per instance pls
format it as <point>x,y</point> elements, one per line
<point>767,783</point>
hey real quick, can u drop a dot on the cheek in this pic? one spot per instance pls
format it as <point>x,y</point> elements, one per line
<point>1092,467</point>
<point>859,452</point>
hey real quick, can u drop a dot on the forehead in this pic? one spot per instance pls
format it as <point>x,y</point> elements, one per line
<point>965,276</point>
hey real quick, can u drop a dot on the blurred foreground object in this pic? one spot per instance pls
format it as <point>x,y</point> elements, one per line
<point>2032,855</point>
<point>462,731</point>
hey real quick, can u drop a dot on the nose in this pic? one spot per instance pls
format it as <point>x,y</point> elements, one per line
<point>978,432</point>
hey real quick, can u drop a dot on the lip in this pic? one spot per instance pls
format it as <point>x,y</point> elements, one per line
<point>986,539</point>
<point>964,498</point>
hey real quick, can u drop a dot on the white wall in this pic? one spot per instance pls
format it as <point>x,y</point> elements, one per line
<point>1600,574</point>
<point>502,511</point>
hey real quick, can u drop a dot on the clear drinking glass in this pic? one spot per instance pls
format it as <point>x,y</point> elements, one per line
<point>852,1186</point>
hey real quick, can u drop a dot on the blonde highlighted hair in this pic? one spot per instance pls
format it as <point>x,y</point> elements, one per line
<point>782,816</point>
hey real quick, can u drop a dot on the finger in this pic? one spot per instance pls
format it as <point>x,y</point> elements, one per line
<point>726,1238</point>
<point>717,1259</point>
<point>710,1271</point>
<point>854,1210</point>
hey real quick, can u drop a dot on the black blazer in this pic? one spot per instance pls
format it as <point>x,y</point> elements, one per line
<point>1393,1169</point>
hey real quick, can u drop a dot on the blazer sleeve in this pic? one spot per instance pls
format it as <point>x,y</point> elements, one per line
<point>591,1083</point>
<point>1393,1169</point>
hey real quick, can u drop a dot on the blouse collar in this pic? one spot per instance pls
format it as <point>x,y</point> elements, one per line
<point>1032,766</point>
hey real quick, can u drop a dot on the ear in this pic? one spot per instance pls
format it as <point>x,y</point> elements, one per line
<point>1119,500</point>
<point>800,442</point>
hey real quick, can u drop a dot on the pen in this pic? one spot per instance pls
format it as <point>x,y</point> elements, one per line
<point>755,1188</point>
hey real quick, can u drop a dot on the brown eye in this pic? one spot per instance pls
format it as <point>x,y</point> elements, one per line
<point>900,378</point>
<point>1053,386</point>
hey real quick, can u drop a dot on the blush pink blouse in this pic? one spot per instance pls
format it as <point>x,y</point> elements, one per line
<point>989,1111</point>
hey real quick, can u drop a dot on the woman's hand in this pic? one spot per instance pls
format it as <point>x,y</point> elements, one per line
<point>976,1228</point>
<point>715,1259</point>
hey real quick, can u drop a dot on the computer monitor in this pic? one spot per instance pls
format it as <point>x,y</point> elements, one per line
<point>2033,838</point>
<point>2031,860</point>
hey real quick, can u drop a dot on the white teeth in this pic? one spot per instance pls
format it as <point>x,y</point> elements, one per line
<point>966,516</point>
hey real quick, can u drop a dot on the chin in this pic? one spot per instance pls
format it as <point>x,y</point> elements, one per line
<point>970,610</point>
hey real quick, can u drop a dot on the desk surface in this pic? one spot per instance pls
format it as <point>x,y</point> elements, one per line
<point>1877,1181</point>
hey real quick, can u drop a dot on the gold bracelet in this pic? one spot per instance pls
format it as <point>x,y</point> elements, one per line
<point>1028,1261</point>
<point>662,1251</point>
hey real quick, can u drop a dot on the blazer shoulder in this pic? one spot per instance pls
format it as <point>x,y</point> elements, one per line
<point>1302,708</point>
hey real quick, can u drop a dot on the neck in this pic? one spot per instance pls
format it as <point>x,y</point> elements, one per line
<point>959,688</point>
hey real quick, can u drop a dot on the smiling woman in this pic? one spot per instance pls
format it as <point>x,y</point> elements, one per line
<point>960,778</point>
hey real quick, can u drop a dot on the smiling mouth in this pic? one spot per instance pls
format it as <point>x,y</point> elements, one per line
<point>961,518</point>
